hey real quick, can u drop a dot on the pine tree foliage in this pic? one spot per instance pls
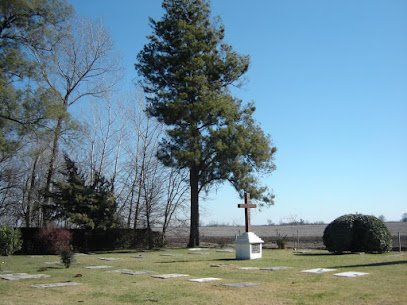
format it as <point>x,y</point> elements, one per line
<point>187,71</point>
<point>87,205</point>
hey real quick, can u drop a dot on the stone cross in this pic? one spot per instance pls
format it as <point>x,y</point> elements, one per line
<point>247,205</point>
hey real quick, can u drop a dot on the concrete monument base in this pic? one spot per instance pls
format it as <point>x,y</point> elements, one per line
<point>248,246</point>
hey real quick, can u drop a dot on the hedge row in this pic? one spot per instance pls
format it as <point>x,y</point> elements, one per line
<point>91,240</point>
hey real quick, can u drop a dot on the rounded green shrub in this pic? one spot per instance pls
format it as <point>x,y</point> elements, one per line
<point>10,240</point>
<point>357,233</point>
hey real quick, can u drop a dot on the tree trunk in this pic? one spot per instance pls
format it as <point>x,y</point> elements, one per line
<point>28,216</point>
<point>194,227</point>
<point>51,170</point>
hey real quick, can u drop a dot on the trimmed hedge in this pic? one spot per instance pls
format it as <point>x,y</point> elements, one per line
<point>93,240</point>
<point>357,233</point>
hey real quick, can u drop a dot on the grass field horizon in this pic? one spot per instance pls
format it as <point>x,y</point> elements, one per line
<point>309,235</point>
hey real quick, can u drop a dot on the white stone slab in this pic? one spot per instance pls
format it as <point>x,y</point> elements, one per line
<point>22,276</point>
<point>137,272</point>
<point>98,267</point>
<point>119,271</point>
<point>196,249</point>
<point>318,270</point>
<point>199,253</point>
<point>275,268</point>
<point>206,279</point>
<point>247,268</point>
<point>55,285</point>
<point>169,276</point>
<point>54,263</point>
<point>351,274</point>
<point>109,259</point>
<point>220,265</point>
<point>241,285</point>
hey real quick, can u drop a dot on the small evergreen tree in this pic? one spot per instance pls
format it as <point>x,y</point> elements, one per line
<point>10,240</point>
<point>90,206</point>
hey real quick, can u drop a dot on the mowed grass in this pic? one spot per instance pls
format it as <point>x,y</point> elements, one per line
<point>385,284</point>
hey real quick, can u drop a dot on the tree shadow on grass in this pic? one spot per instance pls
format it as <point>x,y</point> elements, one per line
<point>314,254</point>
<point>373,264</point>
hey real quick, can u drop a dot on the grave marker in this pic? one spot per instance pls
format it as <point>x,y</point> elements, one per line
<point>241,285</point>
<point>248,244</point>
<point>207,279</point>
<point>22,276</point>
<point>275,268</point>
<point>98,267</point>
<point>351,274</point>
<point>318,270</point>
<point>55,285</point>
<point>247,206</point>
<point>169,276</point>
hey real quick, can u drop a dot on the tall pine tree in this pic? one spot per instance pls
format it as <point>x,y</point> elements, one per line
<point>186,71</point>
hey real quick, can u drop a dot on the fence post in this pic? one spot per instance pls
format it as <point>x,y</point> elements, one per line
<point>399,242</point>
<point>298,240</point>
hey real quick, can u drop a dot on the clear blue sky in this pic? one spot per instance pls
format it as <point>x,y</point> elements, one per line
<point>329,79</point>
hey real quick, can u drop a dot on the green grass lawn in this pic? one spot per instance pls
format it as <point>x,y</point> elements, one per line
<point>385,284</point>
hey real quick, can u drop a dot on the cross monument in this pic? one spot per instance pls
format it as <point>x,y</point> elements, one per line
<point>247,205</point>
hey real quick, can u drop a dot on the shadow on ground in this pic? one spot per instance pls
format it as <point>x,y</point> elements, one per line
<point>373,264</point>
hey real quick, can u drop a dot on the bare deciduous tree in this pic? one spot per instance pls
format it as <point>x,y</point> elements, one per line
<point>82,65</point>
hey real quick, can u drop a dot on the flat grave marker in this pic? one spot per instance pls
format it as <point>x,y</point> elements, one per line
<point>22,276</point>
<point>137,272</point>
<point>241,285</point>
<point>220,265</point>
<point>110,259</point>
<point>98,267</point>
<point>54,263</point>
<point>169,276</point>
<point>275,268</point>
<point>206,279</point>
<point>247,268</point>
<point>67,284</point>
<point>119,271</point>
<point>351,274</point>
<point>318,270</point>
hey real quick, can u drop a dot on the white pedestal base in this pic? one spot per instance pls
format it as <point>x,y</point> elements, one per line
<point>248,246</point>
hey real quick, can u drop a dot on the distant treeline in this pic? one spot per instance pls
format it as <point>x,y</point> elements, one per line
<point>269,223</point>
